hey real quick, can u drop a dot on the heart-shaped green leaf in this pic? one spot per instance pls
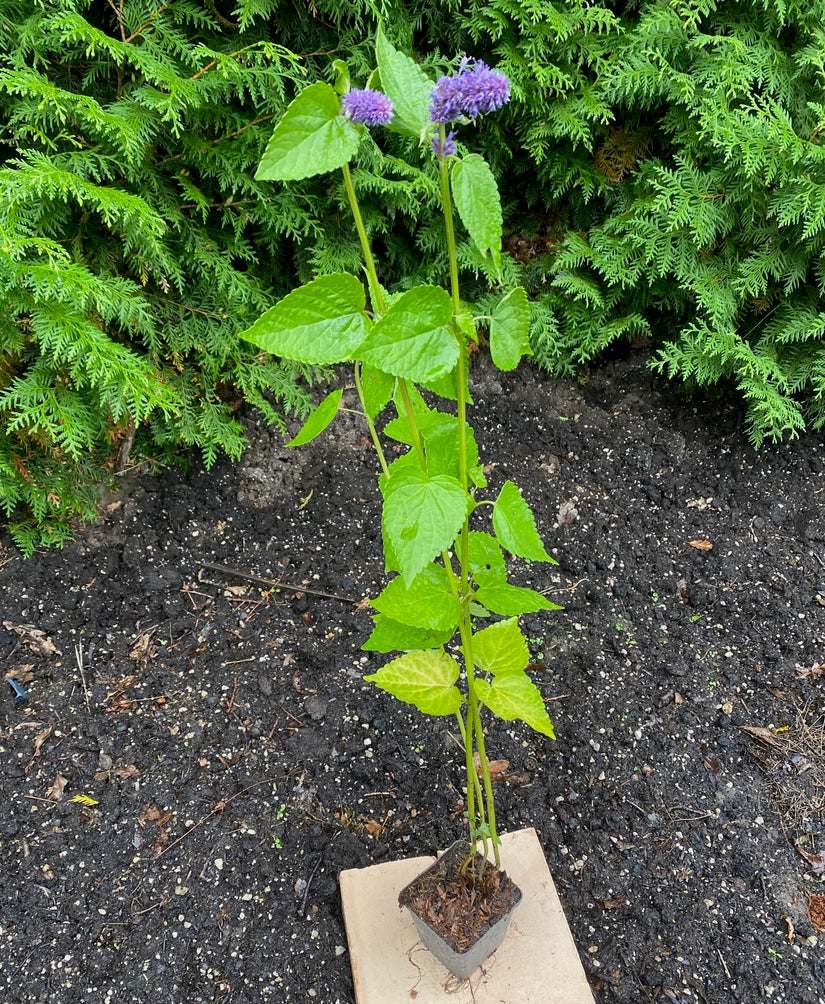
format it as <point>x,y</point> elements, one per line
<point>425,679</point>
<point>442,447</point>
<point>510,601</point>
<point>391,636</point>
<point>501,648</point>
<point>427,602</point>
<point>406,84</point>
<point>510,330</point>
<point>422,517</point>
<point>478,203</point>
<point>322,322</point>
<point>514,695</point>
<point>377,387</point>
<point>312,138</point>
<point>413,339</point>
<point>486,557</point>
<point>515,525</point>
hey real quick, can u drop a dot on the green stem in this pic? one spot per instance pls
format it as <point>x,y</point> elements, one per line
<point>474,730</point>
<point>416,435</point>
<point>447,205</point>
<point>379,307</point>
<point>376,442</point>
<point>473,789</point>
<point>478,814</point>
<point>375,286</point>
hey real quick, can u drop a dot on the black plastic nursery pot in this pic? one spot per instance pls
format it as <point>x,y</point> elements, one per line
<point>460,922</point>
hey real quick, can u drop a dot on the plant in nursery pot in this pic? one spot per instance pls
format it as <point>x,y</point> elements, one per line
<point>444,536</point>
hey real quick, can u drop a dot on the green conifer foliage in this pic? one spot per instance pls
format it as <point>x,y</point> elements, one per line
<point>673,153</point>
<point>134,244</point>
<point>661,167</point>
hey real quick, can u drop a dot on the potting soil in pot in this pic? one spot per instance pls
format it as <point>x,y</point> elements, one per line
<point>459,910</point>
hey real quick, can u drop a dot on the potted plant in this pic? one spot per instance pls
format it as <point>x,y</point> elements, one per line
<point>444,539</point>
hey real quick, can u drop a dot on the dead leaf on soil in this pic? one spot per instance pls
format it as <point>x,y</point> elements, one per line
<point>33,638</point>
<point>568,514</point>
<point>23,674</point>
<point>553,465</point>
<point>160,817</point>
<point>372,826</point>
<point>809,672</point>
<point>123,773</point>
<point>622,845</point>
<point>55,793</point>
<point>121,704</point>
<point>816,861</point>
<point>363,604</point>
<point>816,911</point>
<point>39,739</point>
<point>497,767</point>
<point>762,734</point>
<point>701,544</point>
<point>611,904</point>
<point>671,697</point>
<point>499,772</point>
<point>116,699</point>
<point>143,649</point>
<point>236,590</point>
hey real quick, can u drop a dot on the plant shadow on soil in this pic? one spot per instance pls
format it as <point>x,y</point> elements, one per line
<point>237,762</point>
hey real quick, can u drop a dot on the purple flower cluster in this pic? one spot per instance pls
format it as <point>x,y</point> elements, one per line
<point>448,147</point>
<point>367,107</point>
<point>475,90</point>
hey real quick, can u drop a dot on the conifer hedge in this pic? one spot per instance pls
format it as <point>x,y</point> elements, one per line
<point>661,165</point>
<point>674,153</point>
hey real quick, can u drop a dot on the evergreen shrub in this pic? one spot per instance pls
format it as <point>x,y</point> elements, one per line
<point>660,166</point>
<point>672,154</point>
<point>134,242</point>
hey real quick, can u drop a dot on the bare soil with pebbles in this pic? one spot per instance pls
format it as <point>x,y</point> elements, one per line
<point>199,757</point>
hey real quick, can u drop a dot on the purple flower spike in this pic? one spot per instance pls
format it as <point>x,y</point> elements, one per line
<point>372,108</point>
<point>448,147</point>
<point>475,90</point>
<point>445,101</point>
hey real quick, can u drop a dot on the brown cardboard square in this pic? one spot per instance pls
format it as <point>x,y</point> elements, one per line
<point>537,964</point>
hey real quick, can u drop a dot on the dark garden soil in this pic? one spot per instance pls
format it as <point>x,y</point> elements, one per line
<point>200,758</point>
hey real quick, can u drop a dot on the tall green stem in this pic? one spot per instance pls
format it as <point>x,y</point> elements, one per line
<point>376,294</point>
<point>474,736</point>
<point>379,309</point>
<point>376,442</point>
